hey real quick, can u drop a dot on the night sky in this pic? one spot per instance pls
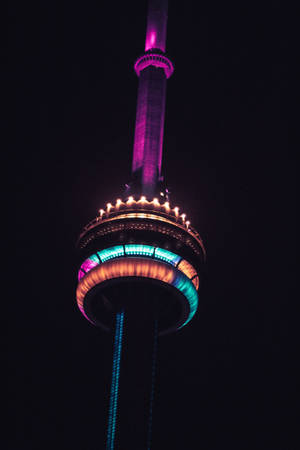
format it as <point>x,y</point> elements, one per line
<point>227,380</point>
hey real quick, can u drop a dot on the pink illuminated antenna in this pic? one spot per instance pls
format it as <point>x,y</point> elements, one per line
<point>156,25</point>
<point>153,68</point>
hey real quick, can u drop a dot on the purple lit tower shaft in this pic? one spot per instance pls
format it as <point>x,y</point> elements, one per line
<point>150,115</point>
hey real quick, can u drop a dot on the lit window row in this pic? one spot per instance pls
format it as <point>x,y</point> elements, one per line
<point>140,250</point>
<point>167,256</point>
<point>109,253</point>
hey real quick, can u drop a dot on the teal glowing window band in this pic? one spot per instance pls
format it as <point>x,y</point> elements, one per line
<point>139,250</point>
<point>184,285</point>
<point>113,403</point>
<point>128,250</point>
<point>94,258</point>
<point>167,256</point>
<point>112,252</point>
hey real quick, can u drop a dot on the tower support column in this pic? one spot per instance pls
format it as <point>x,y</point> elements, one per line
<point>136,383</point>
<point>114,393</point>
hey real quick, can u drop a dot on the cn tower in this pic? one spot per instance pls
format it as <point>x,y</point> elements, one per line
<point>140,260</point>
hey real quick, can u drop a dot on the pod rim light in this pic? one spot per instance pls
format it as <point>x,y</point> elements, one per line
<point>116,212</point>
<point>140,267</point>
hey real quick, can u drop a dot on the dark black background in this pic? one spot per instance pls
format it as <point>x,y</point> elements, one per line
<point>227,380</point>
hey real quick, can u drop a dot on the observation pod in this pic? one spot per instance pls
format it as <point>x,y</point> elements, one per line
<point>140,256</point>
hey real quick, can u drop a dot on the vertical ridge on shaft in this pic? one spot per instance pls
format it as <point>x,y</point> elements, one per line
<point>113,403</point>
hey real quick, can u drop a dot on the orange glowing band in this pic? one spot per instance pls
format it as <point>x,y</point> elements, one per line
<point>195,282</point>
<point>187,268</point>
<point>138,267</point>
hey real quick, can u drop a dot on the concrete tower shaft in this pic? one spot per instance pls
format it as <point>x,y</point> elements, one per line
<point>153,68</point>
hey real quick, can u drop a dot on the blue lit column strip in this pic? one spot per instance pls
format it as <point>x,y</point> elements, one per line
<point>113,403</point>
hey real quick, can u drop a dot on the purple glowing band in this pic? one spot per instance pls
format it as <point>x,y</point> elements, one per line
<point>156,60</point>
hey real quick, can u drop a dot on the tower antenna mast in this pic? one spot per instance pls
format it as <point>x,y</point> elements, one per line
<point>153,68</point>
